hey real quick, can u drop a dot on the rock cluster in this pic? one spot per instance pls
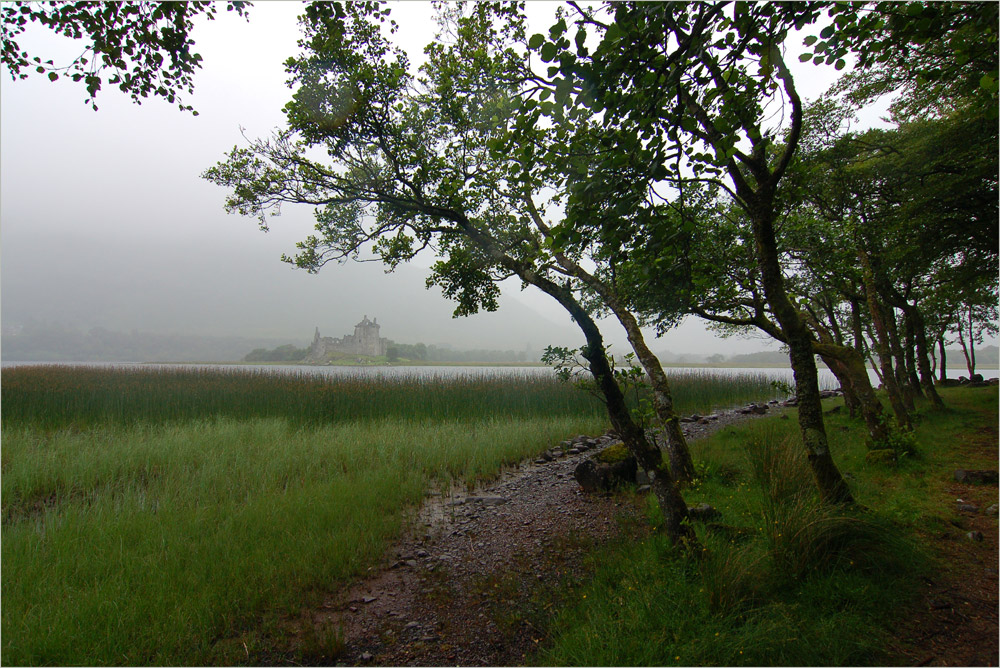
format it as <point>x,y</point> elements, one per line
<point>823,394</point>
<point>595,476</point>
<point>700,419</point>
<point>976,380</point>
<point>575,446</point>
<point>977,477</point>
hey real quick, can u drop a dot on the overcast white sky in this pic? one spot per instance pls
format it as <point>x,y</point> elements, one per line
<point>104,220</point>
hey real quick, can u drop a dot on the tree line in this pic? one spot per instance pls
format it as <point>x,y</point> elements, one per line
<point>654,161</point>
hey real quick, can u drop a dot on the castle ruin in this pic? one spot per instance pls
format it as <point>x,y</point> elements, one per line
<point>364,341</point>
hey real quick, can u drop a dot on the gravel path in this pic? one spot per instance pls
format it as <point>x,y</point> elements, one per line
<point>465,584</point>
<point>461,588</point>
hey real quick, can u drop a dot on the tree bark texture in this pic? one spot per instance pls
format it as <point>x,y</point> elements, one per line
<point>968,349</point>
<point>648,455</point>
<point>831,484</point>
<point>944,361</point>
<point>881,338</point>
<point>839,370</point>
<point>906,391</point>
<point>923,349</point>
<point>910,351</point>
<point>853,366</point>
<point>681,463</point>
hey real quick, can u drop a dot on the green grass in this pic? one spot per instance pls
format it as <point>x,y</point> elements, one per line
<point>784,580</point>
<point>142,545</point>
<point>152,516</point>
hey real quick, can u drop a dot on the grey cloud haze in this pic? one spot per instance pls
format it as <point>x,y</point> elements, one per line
<point>105,222</point>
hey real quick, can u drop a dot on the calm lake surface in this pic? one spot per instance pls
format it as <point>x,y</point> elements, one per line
<point>826,377</point>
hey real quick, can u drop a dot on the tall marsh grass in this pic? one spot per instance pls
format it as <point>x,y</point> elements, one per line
<point>56,396</point>
<point>59,396</point>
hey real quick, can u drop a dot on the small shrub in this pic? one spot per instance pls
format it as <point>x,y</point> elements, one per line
<point>724,474</point>
<point>733,577</point>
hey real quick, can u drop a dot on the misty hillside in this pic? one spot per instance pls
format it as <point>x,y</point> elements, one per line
<point>249,294</point>
<point>55,343</point>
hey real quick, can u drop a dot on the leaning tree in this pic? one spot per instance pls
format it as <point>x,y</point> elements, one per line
<point>397,165</point>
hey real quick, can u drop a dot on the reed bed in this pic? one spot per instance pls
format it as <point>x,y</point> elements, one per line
<point>61,396</point>
<point>56,396</point>
<point>705,390</point>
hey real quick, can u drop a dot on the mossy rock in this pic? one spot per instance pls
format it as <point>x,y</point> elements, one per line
<point>881,457</point>
<point>613,453</point>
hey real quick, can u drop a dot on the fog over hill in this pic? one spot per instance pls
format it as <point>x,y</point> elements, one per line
<point>225,281</point>
<point>214,296</point>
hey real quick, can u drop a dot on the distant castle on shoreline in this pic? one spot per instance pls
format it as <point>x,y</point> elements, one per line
<point>364,341</point>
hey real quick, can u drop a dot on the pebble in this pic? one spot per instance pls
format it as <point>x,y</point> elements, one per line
<point>366,656</point>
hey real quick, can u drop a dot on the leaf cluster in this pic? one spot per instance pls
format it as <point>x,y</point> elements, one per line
<point>143,48</point>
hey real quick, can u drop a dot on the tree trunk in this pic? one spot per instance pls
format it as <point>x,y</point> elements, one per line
<point>899,366</point>
<point>944,361</point>
<point>851,400</point>
<point>926,372</point>
<point>858,327</point>
<point>647,454</point>
<point>933,353</point>
<point>969,350</point>
<point>909,351</point>
<point>853,366</point>
<point>881,339</point>
<point>965,349</point>
<point>681,464</point>
<point>831,484</point>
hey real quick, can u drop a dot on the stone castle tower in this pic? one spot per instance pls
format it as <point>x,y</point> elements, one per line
<point>364,341</point>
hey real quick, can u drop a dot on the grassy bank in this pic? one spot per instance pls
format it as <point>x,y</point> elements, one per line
<point>143,545</point>
<point>784,580</point>
<point>150,513</point>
